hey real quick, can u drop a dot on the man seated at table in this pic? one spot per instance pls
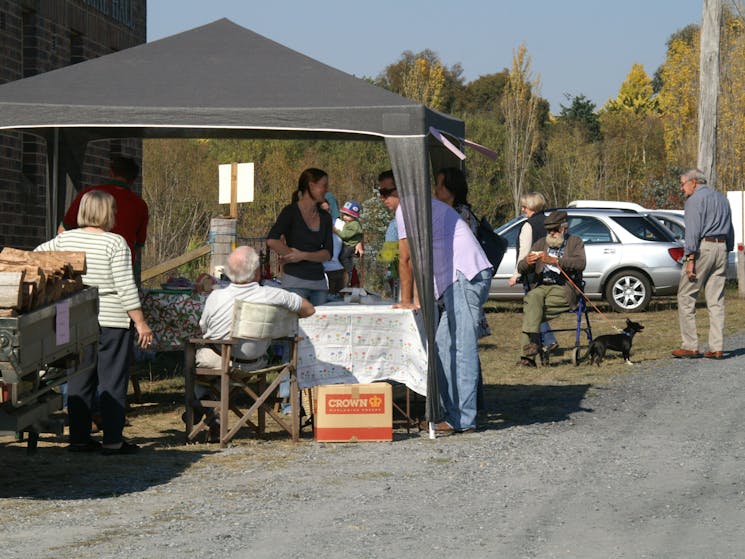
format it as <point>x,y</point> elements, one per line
<point>552,259</point>
<point>244,272</point>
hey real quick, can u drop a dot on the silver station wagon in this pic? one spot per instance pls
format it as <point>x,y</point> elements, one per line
<point>630,257</point>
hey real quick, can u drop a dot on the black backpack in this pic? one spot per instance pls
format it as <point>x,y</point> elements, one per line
<point>493,245</point>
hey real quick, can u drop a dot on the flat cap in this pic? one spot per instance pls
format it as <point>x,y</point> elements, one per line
<point>554,220</point>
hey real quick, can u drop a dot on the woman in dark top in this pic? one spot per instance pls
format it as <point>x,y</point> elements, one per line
<point>302,236</point>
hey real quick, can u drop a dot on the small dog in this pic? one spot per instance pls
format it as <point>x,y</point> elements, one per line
<point>617,342</point>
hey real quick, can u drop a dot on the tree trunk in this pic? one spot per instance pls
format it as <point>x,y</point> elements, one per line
<point>709,89</point>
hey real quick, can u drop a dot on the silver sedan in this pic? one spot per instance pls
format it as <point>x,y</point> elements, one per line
<point>630,258</point>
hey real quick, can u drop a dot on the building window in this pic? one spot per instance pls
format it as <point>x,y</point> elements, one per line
<point>30,45</point>
<point>121,11</point>
<point>76,48</point>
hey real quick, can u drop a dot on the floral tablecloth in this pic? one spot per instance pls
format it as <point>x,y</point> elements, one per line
<point>361,344</point>
<point>173,316</point>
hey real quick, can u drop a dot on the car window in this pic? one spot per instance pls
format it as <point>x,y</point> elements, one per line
<point>511,235</point>
<point>643,228</point>
<point>590,230</point>
<point>678,230</point>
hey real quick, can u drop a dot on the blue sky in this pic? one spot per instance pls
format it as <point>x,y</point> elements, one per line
<point>577,46</point>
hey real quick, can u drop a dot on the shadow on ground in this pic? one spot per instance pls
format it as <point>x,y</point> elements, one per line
<point>508,405</point>
<point>54,473</point>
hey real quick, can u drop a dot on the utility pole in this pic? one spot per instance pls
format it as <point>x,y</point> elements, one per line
<point>711,23</point>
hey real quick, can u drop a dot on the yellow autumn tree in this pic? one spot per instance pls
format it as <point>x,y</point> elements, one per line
<point>520,109</point>
<point>678,97</point>
<point>636,94</point>
<point>633,138</point>
<point>731,118</point>
<point>423,81</point>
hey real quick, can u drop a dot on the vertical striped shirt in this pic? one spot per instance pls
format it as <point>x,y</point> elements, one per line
<point>109,267</point>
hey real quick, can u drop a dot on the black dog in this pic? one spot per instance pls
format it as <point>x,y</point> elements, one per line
<point>617,342</point>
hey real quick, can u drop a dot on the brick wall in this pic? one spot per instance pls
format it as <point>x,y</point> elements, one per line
<point>38,36</point>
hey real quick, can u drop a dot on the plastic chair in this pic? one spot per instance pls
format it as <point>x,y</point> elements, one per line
<point>251,321</point>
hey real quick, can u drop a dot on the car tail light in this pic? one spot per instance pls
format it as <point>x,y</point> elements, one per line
<point>4,392</point>
<point>676,253</point>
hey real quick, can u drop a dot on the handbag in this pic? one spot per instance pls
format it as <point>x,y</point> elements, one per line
<point>492,244</point>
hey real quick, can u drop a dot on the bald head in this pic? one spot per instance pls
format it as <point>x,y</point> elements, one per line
<point>243,265</point>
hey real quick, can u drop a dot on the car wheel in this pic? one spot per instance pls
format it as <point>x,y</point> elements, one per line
<point>628,291</point>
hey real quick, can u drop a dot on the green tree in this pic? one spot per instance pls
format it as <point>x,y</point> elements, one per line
<point>483,95</point>
<point>581,114</point>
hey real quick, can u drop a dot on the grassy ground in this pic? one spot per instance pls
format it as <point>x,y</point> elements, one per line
<point>500,351</point>
<point>513,395</point>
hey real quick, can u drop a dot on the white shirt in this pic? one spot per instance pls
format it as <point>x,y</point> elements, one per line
<point>217,317</point>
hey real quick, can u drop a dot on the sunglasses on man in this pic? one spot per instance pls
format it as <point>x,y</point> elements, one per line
<point>385,192</point>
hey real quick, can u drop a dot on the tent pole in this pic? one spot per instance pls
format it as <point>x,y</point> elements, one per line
<point>52,180</point>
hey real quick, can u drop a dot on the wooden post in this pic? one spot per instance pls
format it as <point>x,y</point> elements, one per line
<point>711,22</point>
<point>740,262</point>
<point>234,190</point>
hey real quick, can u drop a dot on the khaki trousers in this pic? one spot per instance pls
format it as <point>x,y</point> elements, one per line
<point>541,303</point>
<point>711,268</point>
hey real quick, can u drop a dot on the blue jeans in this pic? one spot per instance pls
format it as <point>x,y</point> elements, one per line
<point>457,348</point>
<point>315,296</point>
<point>547,335</point>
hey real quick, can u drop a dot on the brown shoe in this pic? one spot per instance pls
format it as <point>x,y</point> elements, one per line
<point>441,428</point>
<point>526,362</point>
<point>551,347</point>
<point>531,349</point>
<point>686,353</point>
<point>714,355</point>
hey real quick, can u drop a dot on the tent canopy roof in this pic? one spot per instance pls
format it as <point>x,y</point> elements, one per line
<point>213,80</point>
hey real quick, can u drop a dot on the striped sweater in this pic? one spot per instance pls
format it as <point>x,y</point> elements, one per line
<point>109,267</point>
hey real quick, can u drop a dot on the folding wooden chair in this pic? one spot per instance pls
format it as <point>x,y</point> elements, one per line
<point>251,321</point>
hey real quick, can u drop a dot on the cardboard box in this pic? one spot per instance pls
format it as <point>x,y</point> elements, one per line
<point>354,412</point>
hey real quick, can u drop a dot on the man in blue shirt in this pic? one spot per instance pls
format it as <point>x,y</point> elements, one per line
<point>709,237</point>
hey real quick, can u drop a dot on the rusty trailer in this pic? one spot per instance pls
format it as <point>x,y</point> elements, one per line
<point>38,350</point>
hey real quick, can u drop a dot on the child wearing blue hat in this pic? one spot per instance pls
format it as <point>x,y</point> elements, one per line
<point>350,233</point>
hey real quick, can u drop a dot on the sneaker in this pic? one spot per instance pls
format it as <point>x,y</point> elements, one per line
<point>551,347</point>
<point>126,448</point>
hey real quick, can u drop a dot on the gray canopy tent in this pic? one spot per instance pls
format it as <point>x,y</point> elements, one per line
<point>224,81</point>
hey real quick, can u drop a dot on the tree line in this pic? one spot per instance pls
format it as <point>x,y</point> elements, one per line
<point>632,148</point>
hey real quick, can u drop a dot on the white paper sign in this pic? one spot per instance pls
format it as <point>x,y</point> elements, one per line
<point>62,323</point>
<point>245,180</point>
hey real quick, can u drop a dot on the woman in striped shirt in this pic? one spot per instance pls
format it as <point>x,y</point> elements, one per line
<point>108,267</point>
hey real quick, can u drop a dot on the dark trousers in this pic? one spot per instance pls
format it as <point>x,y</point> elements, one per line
<point>111,377</point>
<point>346,258</point>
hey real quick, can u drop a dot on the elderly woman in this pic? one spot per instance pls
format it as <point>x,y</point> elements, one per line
<point>532,204</point>
<point>108,267</point>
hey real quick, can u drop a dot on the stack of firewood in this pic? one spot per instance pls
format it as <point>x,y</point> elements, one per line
<point>29,280</point>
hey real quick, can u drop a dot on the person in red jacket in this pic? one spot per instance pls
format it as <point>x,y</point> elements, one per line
<point>132,212</point>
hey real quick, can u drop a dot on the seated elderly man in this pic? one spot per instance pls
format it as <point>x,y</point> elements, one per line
<point>217,316</point>
<point>550,258</point>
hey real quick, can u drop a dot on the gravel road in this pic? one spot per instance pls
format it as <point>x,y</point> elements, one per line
<point>650,466</point>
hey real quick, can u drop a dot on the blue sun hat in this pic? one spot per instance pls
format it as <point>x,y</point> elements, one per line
<point>352,209</point>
